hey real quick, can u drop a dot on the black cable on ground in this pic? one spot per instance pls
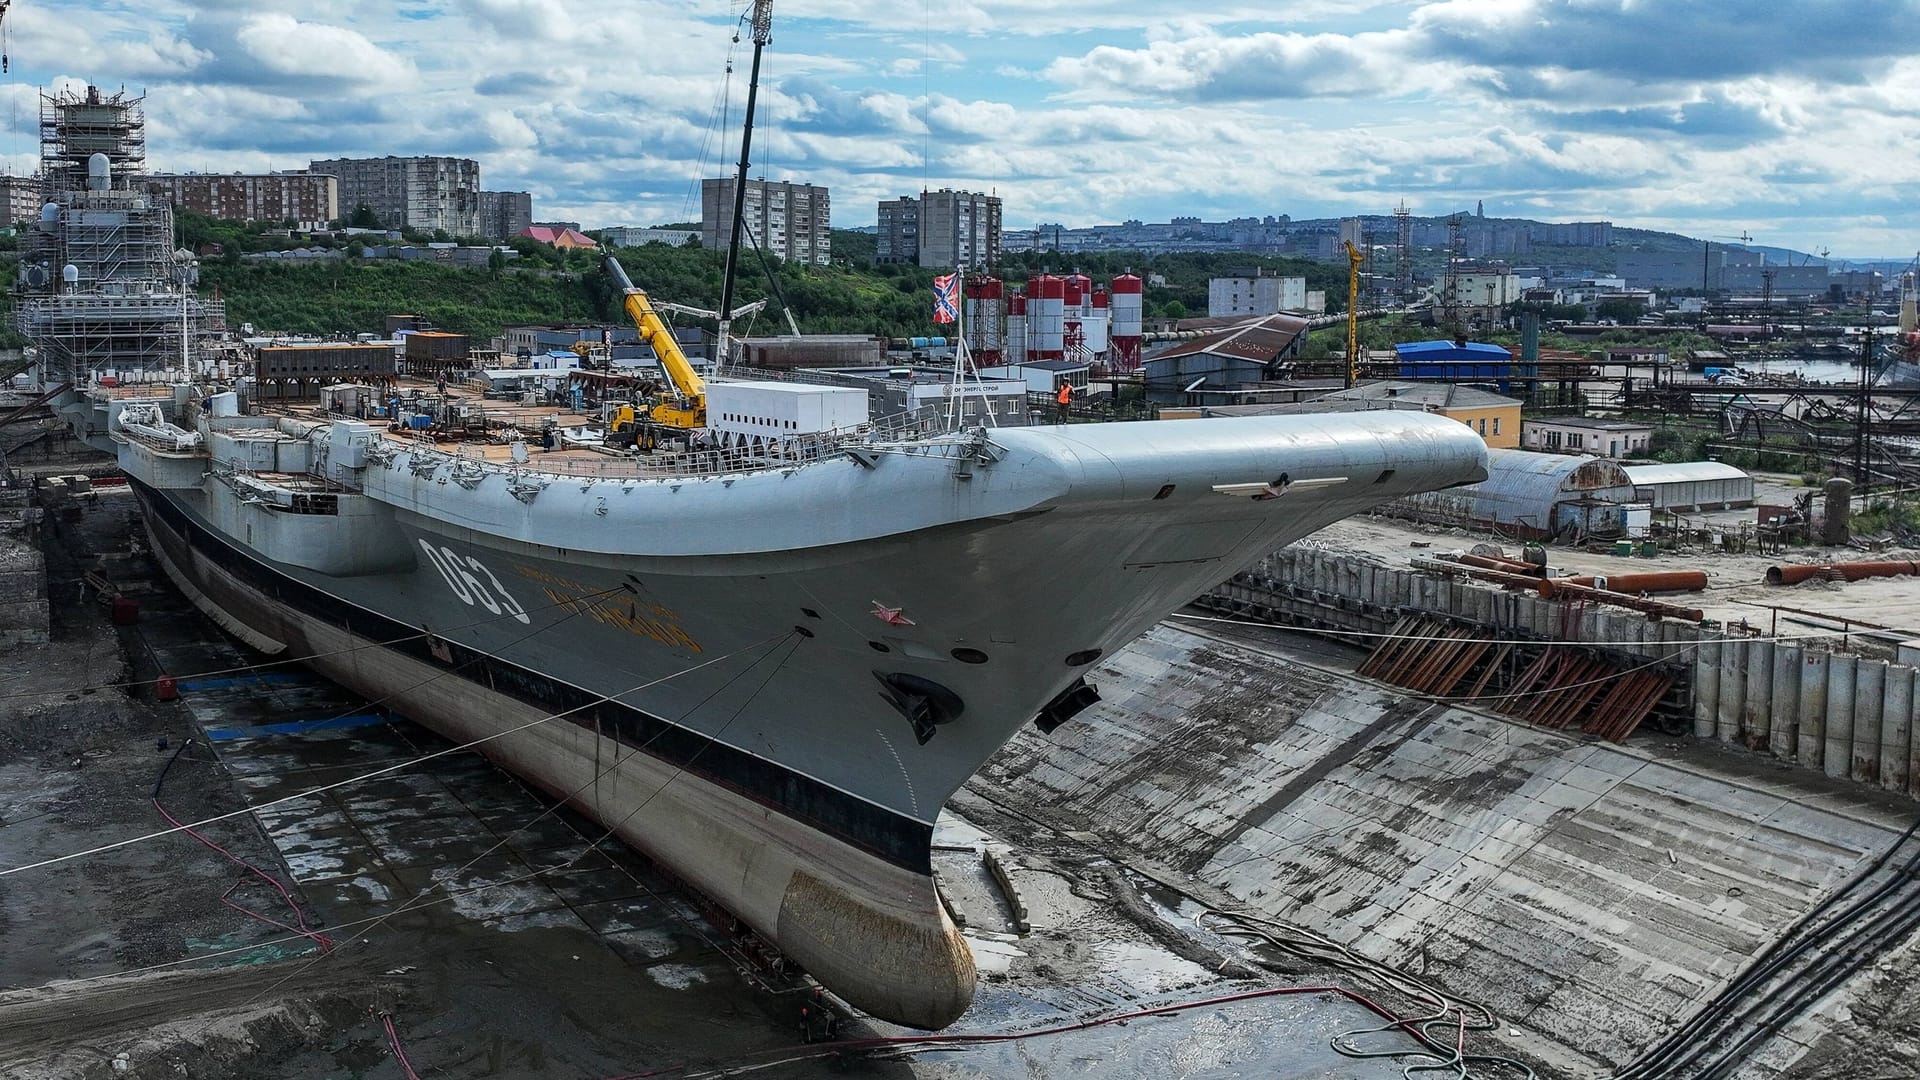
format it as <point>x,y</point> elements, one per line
<point>1687,1043</point>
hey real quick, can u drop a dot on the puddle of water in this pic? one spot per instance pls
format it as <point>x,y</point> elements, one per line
<point>1149,967</point>
<point>676,976</point>
<point>992,956</point>
<point>951,831</point>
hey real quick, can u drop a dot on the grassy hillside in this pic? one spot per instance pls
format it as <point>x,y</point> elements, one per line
<point>351,296</point>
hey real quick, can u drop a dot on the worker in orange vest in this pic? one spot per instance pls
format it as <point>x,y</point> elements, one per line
<point>1065,398</point>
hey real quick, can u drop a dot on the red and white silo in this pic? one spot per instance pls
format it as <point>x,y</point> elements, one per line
<point>1097,324</point>
<point>1079,294</point>
<point>1016,350</point>
<point>1073,308</point>
<point>1129,294</point>
<point>986,306</point>
<point>1046,318</point>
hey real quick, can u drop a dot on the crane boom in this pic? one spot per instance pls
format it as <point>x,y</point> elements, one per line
<point>691,412</point>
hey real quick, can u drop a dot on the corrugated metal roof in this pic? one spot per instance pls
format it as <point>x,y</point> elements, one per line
<point>1685,472</point>
<point>1524,487</point>
<point>1439,395</point>
<point>1447,350</point>
<point>1261,341</point>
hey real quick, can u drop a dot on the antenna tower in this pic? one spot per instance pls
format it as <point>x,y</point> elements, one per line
<point>1450,281</point>
<point>1403,253</point>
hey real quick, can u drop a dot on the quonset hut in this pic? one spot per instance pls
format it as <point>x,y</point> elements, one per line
<point>1529,496</point>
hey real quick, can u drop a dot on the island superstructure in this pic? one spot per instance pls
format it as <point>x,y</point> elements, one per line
<point>764,652</point>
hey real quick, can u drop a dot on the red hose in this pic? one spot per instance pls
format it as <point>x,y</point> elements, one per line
<point>399,1055</point>
<point>325,943</point>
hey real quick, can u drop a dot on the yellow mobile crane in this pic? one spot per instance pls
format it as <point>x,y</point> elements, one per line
<point>689,408</point>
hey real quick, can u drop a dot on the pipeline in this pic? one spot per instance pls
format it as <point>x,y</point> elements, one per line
<point>1649,582</point>
<point>1561,588</point>
<point>1846,571</point>
<point>1497,577</point>
<point>1565,589</point>
<point>1501,563</point>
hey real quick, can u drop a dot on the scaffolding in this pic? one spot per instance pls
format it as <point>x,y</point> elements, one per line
<point>130,338</point>
<point>75,125</point>
<point>102,291</point>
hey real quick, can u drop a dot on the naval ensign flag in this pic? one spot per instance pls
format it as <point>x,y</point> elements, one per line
<point>946,298</point>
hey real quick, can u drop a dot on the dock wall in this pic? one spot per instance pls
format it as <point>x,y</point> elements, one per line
<point>23,573</point>
<point>1798,700</point>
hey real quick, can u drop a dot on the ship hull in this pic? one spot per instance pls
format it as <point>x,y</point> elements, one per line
<point>776,722</point>
<point>869,927</point>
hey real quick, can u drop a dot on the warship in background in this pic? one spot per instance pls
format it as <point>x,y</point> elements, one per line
<point>762,642</point>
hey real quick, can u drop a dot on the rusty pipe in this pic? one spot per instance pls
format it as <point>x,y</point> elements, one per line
<point>1553,588</point>
<point>1497,577</point>
<point>1647,582</point>
<point>1565,589</point>
<point>1848,571</point>
<point>1496,562</point>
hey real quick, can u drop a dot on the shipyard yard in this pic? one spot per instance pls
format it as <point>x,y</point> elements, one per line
<point>1589,895</point>
<point>841,633</point>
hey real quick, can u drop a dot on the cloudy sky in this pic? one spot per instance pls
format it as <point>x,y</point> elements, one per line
<point>1794,119</point>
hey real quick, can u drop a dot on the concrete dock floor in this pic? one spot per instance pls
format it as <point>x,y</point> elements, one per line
<point>1590,894</point>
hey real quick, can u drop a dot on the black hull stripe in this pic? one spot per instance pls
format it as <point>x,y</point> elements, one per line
<point>896,838</point>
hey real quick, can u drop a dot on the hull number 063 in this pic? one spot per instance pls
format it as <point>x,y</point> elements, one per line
<point>472,582</point>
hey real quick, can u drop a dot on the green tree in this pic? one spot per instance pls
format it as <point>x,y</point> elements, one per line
<point>363,217</point>
<point>496,262</point>
<point>1173,309</point>
<point>1620,309</point>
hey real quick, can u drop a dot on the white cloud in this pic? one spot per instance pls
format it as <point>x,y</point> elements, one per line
<point>1103,110</point>
<point>536,20</point>
<point>284,45</point>
<point>1209,66</point>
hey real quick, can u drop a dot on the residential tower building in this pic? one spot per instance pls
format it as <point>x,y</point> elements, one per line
<point>308,200</point>
<point>423,193</point>
<point>787,220</point>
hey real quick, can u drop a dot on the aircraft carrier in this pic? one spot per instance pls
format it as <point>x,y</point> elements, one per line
<point>764,662</point>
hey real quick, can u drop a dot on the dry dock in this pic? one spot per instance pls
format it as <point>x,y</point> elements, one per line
<point>1591,895</point>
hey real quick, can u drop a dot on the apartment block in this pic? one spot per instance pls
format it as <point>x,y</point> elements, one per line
<point>309,200</point>
<point>940,229</point>
<point>19,199</point>
<point>413,192</point>
<point>898,238</point>
<point>504,213</point>
<point>787,220</point>
<point>1231,296</point>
